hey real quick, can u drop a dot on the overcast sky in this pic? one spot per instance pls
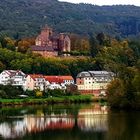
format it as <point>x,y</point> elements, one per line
<point>106,2</point>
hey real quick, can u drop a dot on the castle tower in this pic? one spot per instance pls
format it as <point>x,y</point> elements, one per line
<point>64,43</point>
<point>47,32</point>
<point>43,38</point>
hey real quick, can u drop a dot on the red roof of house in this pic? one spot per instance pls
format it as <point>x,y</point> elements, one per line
<point>51,79</point>
<point>34,76</point>
<point>66,77</point>
<point>54,79</point>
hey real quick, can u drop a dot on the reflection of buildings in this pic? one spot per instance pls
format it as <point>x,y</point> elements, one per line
<point>33,124</point>
<point>37,124</point>
<point>93,119</point>
<point>12,130</point>
<point>88,119</point>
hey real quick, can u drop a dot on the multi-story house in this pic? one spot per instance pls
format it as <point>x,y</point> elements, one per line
<point>59,82</point>
<point>13,77</point>
<point>93,82</point>
<point>65,80</point>
<point>38,81</point>
<point>35,81</point>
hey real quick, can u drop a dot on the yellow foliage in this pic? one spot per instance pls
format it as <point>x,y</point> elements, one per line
<point>39,94</point>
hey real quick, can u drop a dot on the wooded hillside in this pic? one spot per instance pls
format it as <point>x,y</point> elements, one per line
<point>23,18</point>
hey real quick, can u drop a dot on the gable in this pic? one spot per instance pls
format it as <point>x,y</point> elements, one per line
<point>5,73</point>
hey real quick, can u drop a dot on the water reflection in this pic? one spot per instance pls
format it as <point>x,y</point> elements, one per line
<point>75,122</point>
<point>93,118</point>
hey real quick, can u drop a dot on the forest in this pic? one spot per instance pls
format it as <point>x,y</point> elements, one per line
<point>24,18</point>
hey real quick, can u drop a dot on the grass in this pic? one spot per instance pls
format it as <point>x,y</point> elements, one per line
<point>49,100</point>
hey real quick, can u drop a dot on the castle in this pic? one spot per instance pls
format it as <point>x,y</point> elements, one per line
<point>49,44</point>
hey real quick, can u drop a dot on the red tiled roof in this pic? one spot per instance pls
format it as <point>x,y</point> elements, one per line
<point>54,79</point>
<point>66,77</point>
<point>58,79</point>
<point>34,76</point>
<point>51,79</point>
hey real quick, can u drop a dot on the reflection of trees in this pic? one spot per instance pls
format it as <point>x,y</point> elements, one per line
<point>123,126</point>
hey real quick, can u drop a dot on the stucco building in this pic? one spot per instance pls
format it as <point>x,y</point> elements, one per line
<point>93,82</point>
<point>35,82</point>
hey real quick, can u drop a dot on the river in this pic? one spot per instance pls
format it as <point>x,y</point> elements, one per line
<point>68,122</point>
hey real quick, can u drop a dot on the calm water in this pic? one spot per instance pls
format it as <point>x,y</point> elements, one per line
<point>73,122</point>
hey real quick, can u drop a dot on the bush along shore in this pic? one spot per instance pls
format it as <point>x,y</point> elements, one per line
<point>49,100</point>
<point>52,100</point>
<point>16,96</point>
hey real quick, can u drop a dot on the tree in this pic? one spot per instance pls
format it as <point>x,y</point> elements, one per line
<point>136,82</point>
<point>94,47</point>
<point>24,44</point>
<point>101,38</point>
<point>2,66</point>
<point>116,93</point>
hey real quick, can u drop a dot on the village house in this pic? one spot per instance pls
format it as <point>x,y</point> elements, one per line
<point>94,82</point>
<point>35,82</point>
<point>40,82</point>
<point>49,44</point>
<point>13,77</point>
<point>66,80</point>
<point>59,82</point>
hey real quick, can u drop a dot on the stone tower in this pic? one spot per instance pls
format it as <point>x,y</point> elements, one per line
<point>64,43</point>
<point>43,38</point>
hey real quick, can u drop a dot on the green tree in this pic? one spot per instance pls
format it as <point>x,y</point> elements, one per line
<point>94,47</point>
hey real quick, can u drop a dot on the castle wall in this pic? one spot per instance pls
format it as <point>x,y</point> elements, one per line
<point>47,53</point>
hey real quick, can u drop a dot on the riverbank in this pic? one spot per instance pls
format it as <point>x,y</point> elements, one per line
<point>51,100</point>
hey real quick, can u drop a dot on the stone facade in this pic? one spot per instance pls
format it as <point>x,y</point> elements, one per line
<point>49,44</point>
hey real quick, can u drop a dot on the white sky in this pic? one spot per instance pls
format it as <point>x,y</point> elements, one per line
<point>106,2</point>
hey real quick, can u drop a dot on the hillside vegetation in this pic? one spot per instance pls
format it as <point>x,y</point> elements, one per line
<point>104,53</point>
<point>22,18</point>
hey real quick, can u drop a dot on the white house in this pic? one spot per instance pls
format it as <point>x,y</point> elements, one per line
<point>13,77</point>
<point>93,82</point>
<point>67,80</point>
